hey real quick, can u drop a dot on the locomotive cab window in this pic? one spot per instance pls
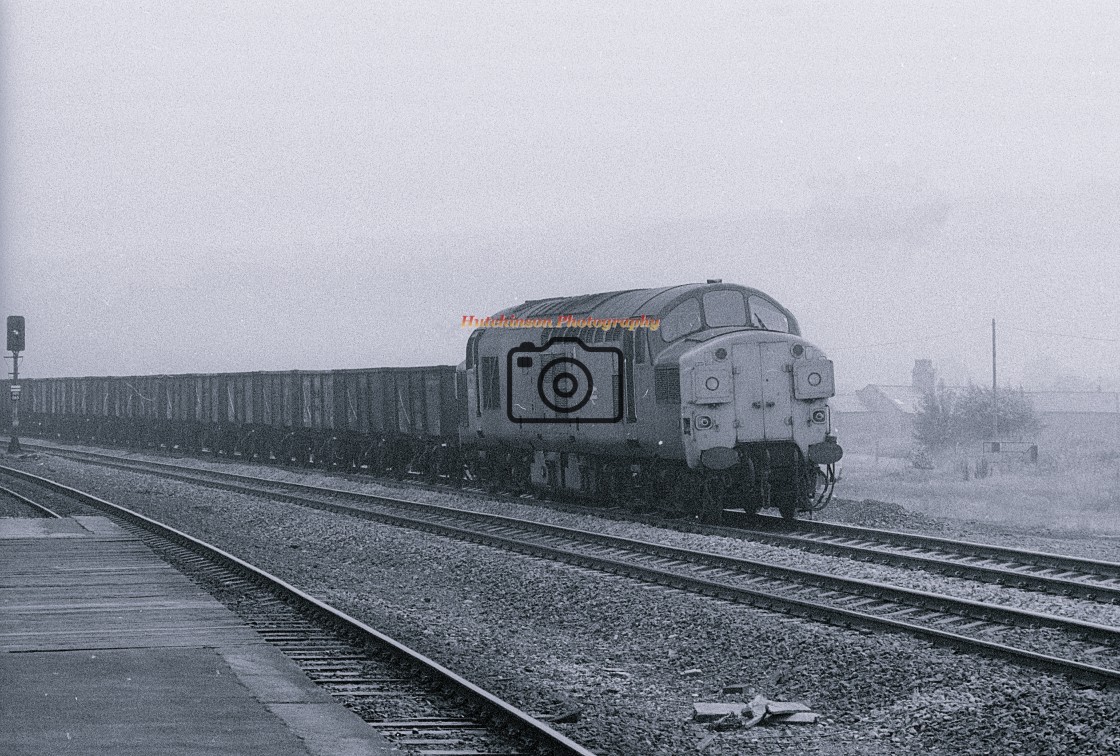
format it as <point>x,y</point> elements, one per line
<point>724,308</point>
<point>766,316</point>
<point>681,321</point>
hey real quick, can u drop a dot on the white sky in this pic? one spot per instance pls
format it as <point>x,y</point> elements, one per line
<point>205,186</point>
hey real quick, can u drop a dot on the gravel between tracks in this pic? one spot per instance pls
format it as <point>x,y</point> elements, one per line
<point>1074,608</point>
<point>9,507</point>
<point>550,637</point>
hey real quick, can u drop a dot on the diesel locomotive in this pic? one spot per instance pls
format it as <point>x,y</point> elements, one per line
<point>703,396</point>
<point>698,397</point>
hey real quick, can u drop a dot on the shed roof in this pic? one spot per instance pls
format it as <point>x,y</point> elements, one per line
<point>880,398</point>
<point>848,404</point>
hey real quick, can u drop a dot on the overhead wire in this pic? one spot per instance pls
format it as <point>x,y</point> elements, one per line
<point>973,329</point>
<point>1062,335</point>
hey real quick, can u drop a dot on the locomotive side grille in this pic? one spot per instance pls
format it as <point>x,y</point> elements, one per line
<point>491,384</point>
<point>667,385</point>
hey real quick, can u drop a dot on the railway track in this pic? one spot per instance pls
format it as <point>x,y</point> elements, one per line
<point>1020,568</point>
<point>1082,649</point>
<point>1056,574</point>
<point>420,706</point>
<point>32,506</point>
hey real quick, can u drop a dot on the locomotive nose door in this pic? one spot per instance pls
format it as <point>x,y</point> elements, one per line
<point>762,389</point>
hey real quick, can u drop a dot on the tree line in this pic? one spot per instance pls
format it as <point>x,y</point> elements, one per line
<point>951,417</point>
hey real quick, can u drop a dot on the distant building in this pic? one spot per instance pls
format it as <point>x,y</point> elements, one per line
<point>1083,420</point>
<point>877,418</point>
<point>880,417</point>
<point>922,377</point>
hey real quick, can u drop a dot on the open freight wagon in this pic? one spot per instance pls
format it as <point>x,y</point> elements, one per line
<point>387,419</point>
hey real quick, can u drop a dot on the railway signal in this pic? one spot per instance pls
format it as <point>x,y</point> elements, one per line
<point>16,332</point>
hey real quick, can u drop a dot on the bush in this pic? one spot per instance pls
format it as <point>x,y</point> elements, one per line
<point>947,418</point>
<point>973,411</point>
<point>921,459</point>
<point>935,423</point>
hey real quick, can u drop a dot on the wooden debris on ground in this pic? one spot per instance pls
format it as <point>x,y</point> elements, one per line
<point>734,715</point>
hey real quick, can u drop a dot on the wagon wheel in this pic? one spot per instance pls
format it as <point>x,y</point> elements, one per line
<point>419,461</point>
<point>305,452</point>
<point>367,457</point>
<point>243,446</point>
<point>441,462</point>
<point>285,453</point>
<point>469,470</point>
<point>321,453</point>
<point>397,457</point>
<point>329,454</point>
<point>380,459</point>
<point>348,452</point>
<point>256,447</point>
<point>223,445</point>
<point>430,461</point>
<point>451,465</point>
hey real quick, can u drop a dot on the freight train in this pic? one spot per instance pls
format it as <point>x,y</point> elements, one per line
<point>696,398</point>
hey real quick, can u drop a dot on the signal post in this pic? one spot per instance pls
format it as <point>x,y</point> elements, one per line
<point>15,346</point>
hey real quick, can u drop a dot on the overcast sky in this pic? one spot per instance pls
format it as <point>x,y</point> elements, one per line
<point>211,186</point>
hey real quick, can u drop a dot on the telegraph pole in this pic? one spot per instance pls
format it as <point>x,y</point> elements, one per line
<point>995,403</point>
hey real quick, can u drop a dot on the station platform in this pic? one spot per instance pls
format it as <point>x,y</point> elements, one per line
<point>107,649</point>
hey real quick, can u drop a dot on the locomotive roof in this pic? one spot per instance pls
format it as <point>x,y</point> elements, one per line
<point>612,304</point>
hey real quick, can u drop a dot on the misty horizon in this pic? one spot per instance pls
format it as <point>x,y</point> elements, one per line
<point>196,188</point>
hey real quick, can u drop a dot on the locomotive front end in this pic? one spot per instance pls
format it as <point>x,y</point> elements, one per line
<point>754,412</point>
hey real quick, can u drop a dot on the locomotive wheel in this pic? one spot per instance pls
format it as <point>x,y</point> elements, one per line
<point>713,498</point>
<point>676,491</point>
<point>520,474</point>
<point>787,505</point>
